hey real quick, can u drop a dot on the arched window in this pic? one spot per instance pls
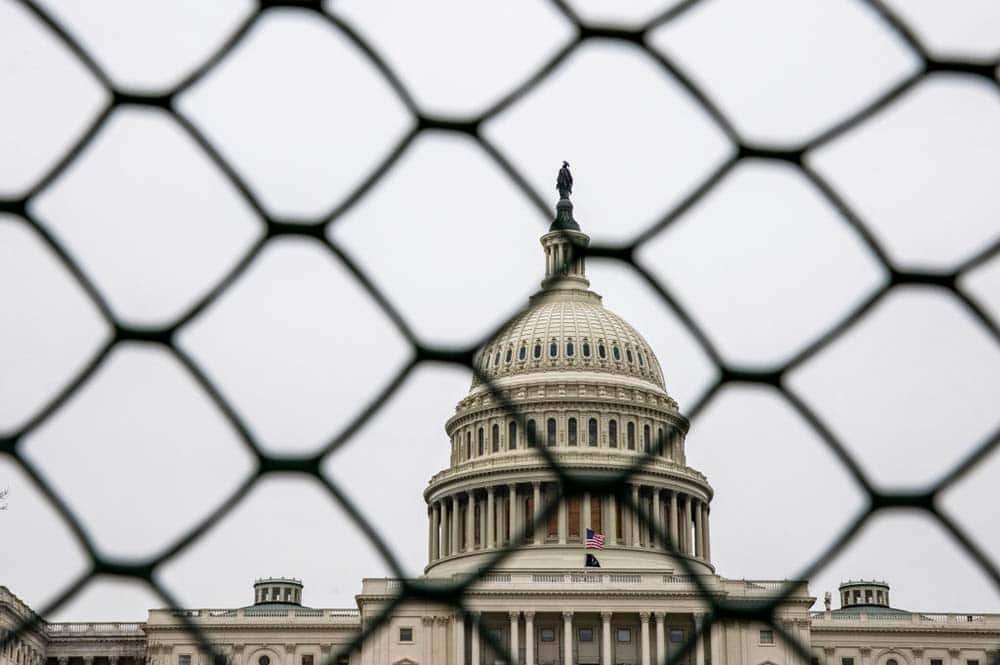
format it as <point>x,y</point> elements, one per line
<point>601,351</point>
<point>537,351</point>
<point>586,349</point>
<point>569,349</point>
<point>550,439</point>
<point>495,438</point>
<point>616,352</point>
<point>510,354</point>
<point>631,436</point>
<point>571,430</point>
<point>496,358</point>
<point>530,434</point>
<point>479,441</point>
<point>612,433</point>
<point>522,352</point>
<point>645,438</point>
<point>592,432</point>
<point>661,443</point>
<point>642,359</point>
<point>468,445</point>
<point>553,348</point>
<point>891,661</point>
<point>512,435</point>
<point>628,356</point>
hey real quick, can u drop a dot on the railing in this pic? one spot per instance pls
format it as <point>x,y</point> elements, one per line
<point>545,578</point>
<point>75,629</point>
<point>919,618</point>
<point>619,578</point>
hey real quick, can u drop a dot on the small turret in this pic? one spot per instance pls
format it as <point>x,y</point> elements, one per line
<point>285,590</point>
<point>854,593</point>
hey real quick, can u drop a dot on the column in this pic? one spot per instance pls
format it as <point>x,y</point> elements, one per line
<point>489,517</point>
<point>683,524</point>
<point>612,519</point>
<point>672,515</point>
<point>644,636</point>
<point>696,509</point>
<point>515,522</point>
<point>428,623</point>
<point>459,627</point>
<point>657,520</point>
<point>708,537</point>
<point>563,520</point>
<point>918,656</point>
<point>443,508</point>
<point>440,653</point>
<point>482,523</point>
<point>474,637</point>
<point>536,497</point>
<point>715,641</point>
<point>584,516</point>
<point>661,643</point>
<point>568,637</point>
<point>636,537</point>
<point>699,645</point>
<point>501,521</point>
<point>470,522</point>
<point>529,638</point>
<point>431,539</point>
<point>455,544</point>
<point>605,638</point>
<point>514,650</point>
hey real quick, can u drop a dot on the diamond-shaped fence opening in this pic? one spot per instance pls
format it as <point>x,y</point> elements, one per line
<point>164,335</point>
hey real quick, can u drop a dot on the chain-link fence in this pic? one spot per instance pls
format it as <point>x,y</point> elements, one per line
<point>571,482</point>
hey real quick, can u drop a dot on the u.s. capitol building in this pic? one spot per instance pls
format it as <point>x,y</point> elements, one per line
<point>588,388</point>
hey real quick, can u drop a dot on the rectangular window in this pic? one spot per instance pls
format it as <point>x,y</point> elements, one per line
<point>495,438</point>
<point>592,433</point>
<point>573,517</point>
<point>551,440</point>
<point>850,661</point>
<point>676,635</point>
<point>972,662</point>
<point>512,435</point>
<point>586,634</point>
<point>405,634</point>
<point>343,660</point>
<point>935,661</point>
<point>530,434</point>
<point>307,659</point>
<point>572,431</point>
<point>547,634</point>
<point>184,659</point>
<point>623,634</point>
<point>630,430</point>
<point>612,434</point>
<point>814,660</point>
<point>767,637</point>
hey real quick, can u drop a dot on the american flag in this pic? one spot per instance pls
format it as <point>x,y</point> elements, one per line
<point>595,541</point>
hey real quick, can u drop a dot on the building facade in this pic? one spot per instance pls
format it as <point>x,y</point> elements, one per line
<point>566,382</point>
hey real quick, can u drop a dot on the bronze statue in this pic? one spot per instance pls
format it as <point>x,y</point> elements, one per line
<point>564,183</point>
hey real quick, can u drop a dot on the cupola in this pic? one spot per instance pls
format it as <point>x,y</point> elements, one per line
<point>857,593</point>
<point>271,590</point>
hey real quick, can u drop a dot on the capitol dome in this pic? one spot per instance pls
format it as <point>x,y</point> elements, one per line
<point>585,386</point>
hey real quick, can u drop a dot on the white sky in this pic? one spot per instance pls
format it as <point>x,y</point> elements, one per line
<point>763,263</point>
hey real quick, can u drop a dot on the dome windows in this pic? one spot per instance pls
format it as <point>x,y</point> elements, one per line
<point>645,438</point>
<point>495,438</point>
<point>612,433</point>
<point>569,349</point>
<point>616,353</point>
<point>512,435</point>
<point>601,351</point>
<point>642,359</point>
<point>468,445</point>
<point>522,353</point>
<point>553,348</point>
<point>586,349</point>
<point>630,434</point>
<point>628,356</point>
<point>496,358</point>
<point>571,431</point>
<point>550,428</point>
<point>510,354</point>
<point>592,432</point>
<point>530,434</point>
<point>537,352</point>
<point>480,442</point>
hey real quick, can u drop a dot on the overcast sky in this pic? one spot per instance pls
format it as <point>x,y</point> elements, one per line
<point>763,263</point>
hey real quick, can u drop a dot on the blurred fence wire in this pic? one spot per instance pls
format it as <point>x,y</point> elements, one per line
<point>924,500</point>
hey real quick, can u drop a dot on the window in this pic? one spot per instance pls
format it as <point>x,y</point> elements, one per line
<point>676,635</point>
<point>586,349</point>
<point>814,660</point>
<point>468,445</point>
<point>522,353</point>
<point>891,661</point>
<point>970,662</point>
<point>263,660</point>
<point>553,349</point>
<point>631,436</point>
<point>642,359</point>
<point>185,659</point>
<point>406,634</point>
<point>616,352</point>
<point>935,661</point>
<point>479,441</point>
<point>547,634</point>
<point>343,660</point>
<point>601,351</point>
<point>495,438</point>
<point>509,356</point>
<point>569,349</point>
<point>512,435</point>
<point>850,661</point>
<point>661,448</point>
<point>572,431</point>
<point>496,358</point>
<point>537,351</point>
<point>767,637</point>
<point>550,440</point>
<point>307,659</point>
<point>628,356</point>
<point>586,635</point>
<point>613,433</point>
<point>623,634</point>
<point>530,434</point>
<point>592,432</point>
<point>645,438</point>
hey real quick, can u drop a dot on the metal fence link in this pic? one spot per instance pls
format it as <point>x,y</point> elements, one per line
<point>165,336</point>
